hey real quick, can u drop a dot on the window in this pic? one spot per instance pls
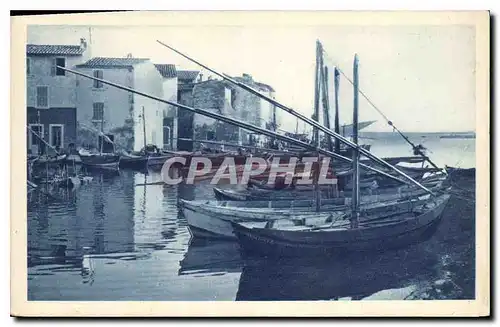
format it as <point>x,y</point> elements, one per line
<point>228,94</point>
<point>61,62</point>
<point>42,96</point>
<point>210,135</point>
<point>56,135</point>
<point>98,113</point>
<point>98,74</point>
<point>34,138</point>
<point>28,66</point>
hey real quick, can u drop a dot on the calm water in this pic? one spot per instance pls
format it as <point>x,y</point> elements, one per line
<point>113,240</point>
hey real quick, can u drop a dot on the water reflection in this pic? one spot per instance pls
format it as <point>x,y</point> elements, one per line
<point>109,215</point>
<point>353,278</point>
<point>209,257</point>
<point>119,237</point>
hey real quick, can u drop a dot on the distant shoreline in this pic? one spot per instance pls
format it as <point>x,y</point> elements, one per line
<point>457,137</point>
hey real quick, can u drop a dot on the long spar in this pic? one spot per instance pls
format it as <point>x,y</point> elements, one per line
<point>242,125</point>
<point>302,117</point>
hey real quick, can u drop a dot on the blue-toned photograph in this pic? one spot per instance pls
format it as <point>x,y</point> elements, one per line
<point>251,163</point>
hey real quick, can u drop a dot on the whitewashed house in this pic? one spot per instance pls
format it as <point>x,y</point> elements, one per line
<point>130,120</point>
<point>51,93</point>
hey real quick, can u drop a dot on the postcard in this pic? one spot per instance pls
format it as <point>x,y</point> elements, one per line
<point>250,164</point>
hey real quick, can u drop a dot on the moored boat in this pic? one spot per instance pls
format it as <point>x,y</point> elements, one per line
<point>133,161</point>
<point>212,219</point>
<point>100,161</point>
<point>48,160</point>
<point>374,233</point>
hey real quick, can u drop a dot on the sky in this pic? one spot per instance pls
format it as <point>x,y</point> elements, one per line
<point>421,77</point>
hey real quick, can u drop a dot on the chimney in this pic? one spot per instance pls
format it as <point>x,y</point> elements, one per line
<point>247,77</point>
<point>83,43</point>
<point>129,55</point>
<point>200,77</point>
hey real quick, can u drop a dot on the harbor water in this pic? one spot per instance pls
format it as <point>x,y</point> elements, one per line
<point>113,239</point>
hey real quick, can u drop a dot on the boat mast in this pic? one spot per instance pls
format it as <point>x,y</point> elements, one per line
<point>326,106</point>
<point>336,89</point>
<point>102,131</point>
<point>318,86</point>
<point>355,155</point>
<point>305,119</point>
<point>249,127</point>
<point>144,127</point>
<point>317,91</point>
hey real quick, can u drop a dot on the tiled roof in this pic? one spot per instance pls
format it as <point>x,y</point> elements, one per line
<point>167,70</point>
<point>46,49</point>
<point>187,74</point>
<point>104,62</point>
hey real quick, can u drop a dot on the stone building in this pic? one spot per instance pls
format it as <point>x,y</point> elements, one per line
<point>186,80</point>
<point>226,99</point>
<point>51,93</point>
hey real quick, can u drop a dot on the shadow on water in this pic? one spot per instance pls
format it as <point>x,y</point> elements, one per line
<point>211,257</point>
<point>353,277</point>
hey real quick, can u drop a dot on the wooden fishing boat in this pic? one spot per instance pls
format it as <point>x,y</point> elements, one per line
<point>133,161</point>
<point>48,160</point>
<point>157,160</point>
<point>100,161</point>
<point>259,191</point>
<point>374,233</point>
<point>212,219</point>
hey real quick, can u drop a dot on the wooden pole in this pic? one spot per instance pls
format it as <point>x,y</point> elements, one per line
<point>317,91</point>
<point>316,186</point>
<point>102,130</point>
<point>326,106</point>
<point>144,127</point>
<point>355,155</point>
<point>336,90</point>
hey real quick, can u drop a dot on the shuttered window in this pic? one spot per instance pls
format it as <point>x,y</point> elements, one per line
<point>98,74</point>
<point>98,112</point>
<point>42,96</point>
<point>61,62</point>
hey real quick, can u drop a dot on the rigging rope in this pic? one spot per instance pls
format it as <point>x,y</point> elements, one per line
<point>417,149</point>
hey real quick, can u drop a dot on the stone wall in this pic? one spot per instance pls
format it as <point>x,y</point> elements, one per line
<point>223,98</point>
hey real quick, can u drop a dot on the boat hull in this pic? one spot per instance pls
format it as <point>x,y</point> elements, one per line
<point>105,162</point>
<point>209,221</point>
<point>278,243</point>
<point>133,162</point>
<point>157,161</point>
<point>202,225</point>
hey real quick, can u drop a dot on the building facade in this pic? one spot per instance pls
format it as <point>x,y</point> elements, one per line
<point>170,113</point>
<point>186,80</point>
<point>130,120</point>
<point>51,94</point>
<point>228,100</point>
